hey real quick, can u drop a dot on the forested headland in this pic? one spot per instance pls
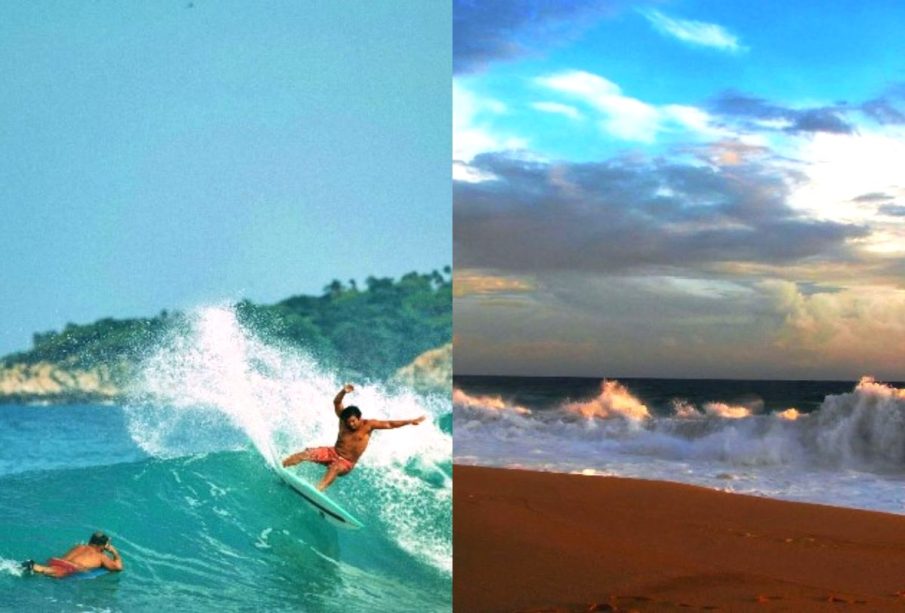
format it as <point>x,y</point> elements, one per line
<point>368,331</point>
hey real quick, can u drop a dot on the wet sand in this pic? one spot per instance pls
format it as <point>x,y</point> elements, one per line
<point>531,541</point>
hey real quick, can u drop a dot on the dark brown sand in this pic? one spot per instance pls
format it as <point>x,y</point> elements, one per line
<point>531,541</point>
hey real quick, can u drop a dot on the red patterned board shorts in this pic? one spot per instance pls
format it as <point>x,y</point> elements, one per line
<point>328,457</point>
<point>63,568</point>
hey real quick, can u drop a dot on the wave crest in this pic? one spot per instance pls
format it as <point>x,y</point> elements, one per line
<point>866,425</point>
<point>614,400</point>
<point>485,403</point>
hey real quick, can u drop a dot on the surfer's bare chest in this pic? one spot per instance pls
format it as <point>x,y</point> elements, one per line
<point>351,443</point>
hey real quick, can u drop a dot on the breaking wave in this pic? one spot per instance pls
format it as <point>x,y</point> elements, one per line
<point>861,429</point>
<point>216,387</point>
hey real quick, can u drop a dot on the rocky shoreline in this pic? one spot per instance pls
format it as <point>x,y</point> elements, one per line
<point>429,372</point>
<point>46,382</point>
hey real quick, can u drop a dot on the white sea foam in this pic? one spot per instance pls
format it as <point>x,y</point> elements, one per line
<point>11,567</point>
<point>864,427</point>
<point>262,542</point>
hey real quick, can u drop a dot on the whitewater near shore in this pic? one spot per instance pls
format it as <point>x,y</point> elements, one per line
<point>835,443</point>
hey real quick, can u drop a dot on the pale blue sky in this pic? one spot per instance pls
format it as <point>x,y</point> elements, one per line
<point>167,154</point>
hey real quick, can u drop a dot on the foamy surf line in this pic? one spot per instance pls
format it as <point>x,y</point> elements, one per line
<point>849,452</point>
<point>11,567</point>
<point>217,386</point>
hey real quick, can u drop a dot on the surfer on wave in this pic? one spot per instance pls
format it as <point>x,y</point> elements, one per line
<point>354,436</point>
<point>81,558</point>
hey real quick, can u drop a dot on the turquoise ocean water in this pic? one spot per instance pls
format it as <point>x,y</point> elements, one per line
<point>180,478</point>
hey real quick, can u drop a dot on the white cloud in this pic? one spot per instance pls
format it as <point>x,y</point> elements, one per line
<point>473,134</point>
<point>841,167</point>
<point>694,32</point>
<point>557,108</point>
<point>690,117</point>
<point>625,117</point>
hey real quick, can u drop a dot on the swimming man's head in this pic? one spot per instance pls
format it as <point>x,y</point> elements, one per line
<point>99,539</point>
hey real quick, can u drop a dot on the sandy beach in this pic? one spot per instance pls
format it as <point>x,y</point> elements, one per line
<point>532,541</point>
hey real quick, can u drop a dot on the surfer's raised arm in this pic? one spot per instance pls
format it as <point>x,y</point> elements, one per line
<point>338,401</point>
<point>389,424</point>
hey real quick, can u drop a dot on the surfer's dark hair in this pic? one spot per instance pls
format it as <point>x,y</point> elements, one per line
<point>99,538</point>
<point>349,412</point>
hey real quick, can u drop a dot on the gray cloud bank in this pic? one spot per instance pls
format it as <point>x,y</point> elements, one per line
<point>889,107</point>
<point>627,216</point>
<point>671,267</point>
<point>886,109</point>
<point>497,30</point>
<point>818,119</point>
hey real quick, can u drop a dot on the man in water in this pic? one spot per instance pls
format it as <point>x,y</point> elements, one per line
<point>354,436</point>
<point>81,558</point>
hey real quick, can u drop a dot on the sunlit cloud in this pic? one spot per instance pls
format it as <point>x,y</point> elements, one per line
<point>844,172</point>
<point>866,324</point>
<point>468,283</point>
<point>733,152</point>
<point>621,326</point>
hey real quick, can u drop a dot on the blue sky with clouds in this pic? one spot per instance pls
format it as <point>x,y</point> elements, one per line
<point>679,188</point>
<point>167,154</point>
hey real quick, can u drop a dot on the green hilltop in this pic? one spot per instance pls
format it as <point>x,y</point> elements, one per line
<point>368,332</point>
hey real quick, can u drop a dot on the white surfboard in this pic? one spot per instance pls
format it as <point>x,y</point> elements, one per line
<point>322,503</point>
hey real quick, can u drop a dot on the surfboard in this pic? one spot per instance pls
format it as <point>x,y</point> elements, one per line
<point>323,504</point>
<point>88,574</point>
